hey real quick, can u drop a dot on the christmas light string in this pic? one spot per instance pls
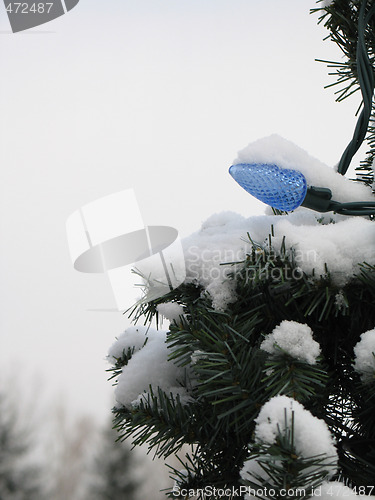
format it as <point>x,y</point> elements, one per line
<point>287,189</point>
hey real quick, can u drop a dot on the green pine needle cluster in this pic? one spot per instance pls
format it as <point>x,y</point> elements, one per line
<point>235,378</point>
<point>341,19</point>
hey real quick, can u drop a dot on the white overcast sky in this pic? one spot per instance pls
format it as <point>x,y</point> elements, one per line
<point>154,95</point>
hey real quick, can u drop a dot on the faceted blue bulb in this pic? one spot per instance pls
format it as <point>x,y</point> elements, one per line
<point>280,188</point>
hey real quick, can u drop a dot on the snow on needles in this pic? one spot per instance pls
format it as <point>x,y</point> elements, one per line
<point>311,435</point>
<point>170,310</point>
<point>364,352</point>
<point>339,246</point>
<point>296,339</point>
<point>133,337</point>
<point>148,366</point>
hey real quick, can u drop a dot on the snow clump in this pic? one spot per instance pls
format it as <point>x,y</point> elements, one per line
<point>133,337</point>
<point>171,311</point>
<point>296,339</point>
<point>148,367</point>
<point>364,352</point>
<point>311,434</point>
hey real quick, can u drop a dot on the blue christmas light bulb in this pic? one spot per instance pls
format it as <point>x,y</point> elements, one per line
<point>280,188</point>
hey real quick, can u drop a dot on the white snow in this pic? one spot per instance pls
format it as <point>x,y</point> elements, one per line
<point>196,356</point>
<point>296,339</point>
<point>311,435</point>
<point>171,311</point>
<point>285,154</point>
<point>341,246</point>
<point>133,337</point>
<point>220,240</point>
<point>364,352</point>
<point>149,366</point>
<point>340,300</point>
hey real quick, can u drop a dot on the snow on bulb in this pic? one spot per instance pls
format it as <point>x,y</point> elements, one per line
<point>284,176</point>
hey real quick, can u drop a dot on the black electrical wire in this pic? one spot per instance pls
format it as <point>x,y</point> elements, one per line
<point>356,208</point>
<point>365,73</point>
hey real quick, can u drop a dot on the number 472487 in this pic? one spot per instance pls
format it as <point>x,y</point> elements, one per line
<point>24,8</point>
